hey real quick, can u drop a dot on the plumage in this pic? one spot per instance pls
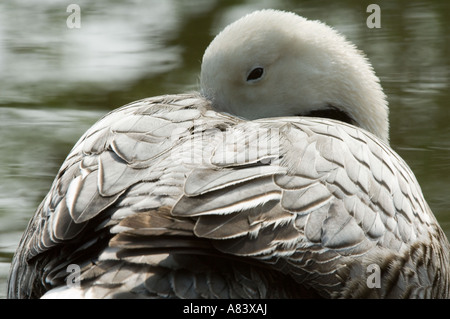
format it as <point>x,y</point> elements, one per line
<point>169,198</point>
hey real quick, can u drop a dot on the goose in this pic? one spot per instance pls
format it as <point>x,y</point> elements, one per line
<point>275,180</point>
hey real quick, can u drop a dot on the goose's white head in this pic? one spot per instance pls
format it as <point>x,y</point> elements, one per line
<point>272,63</point>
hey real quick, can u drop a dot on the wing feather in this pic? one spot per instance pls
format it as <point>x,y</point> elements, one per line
<point>161,182</point>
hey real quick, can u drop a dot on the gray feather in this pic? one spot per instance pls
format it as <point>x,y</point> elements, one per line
<point>166,198</point>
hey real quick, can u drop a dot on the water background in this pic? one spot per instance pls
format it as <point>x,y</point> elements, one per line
<point>55,82</point>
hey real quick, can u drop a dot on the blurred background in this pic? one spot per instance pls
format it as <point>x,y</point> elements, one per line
<point>55,82</point>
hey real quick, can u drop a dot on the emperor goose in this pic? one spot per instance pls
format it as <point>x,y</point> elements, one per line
<point>275,180</point>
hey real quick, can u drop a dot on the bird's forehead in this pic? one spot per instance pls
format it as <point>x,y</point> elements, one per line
<point>246,47</point>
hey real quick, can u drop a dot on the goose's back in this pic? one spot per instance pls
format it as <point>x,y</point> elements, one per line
<point>167,198</point>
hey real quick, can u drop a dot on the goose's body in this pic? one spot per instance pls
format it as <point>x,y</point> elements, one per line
<point>167,197</point>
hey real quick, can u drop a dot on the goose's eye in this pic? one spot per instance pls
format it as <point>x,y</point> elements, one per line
<point>255,74</point>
